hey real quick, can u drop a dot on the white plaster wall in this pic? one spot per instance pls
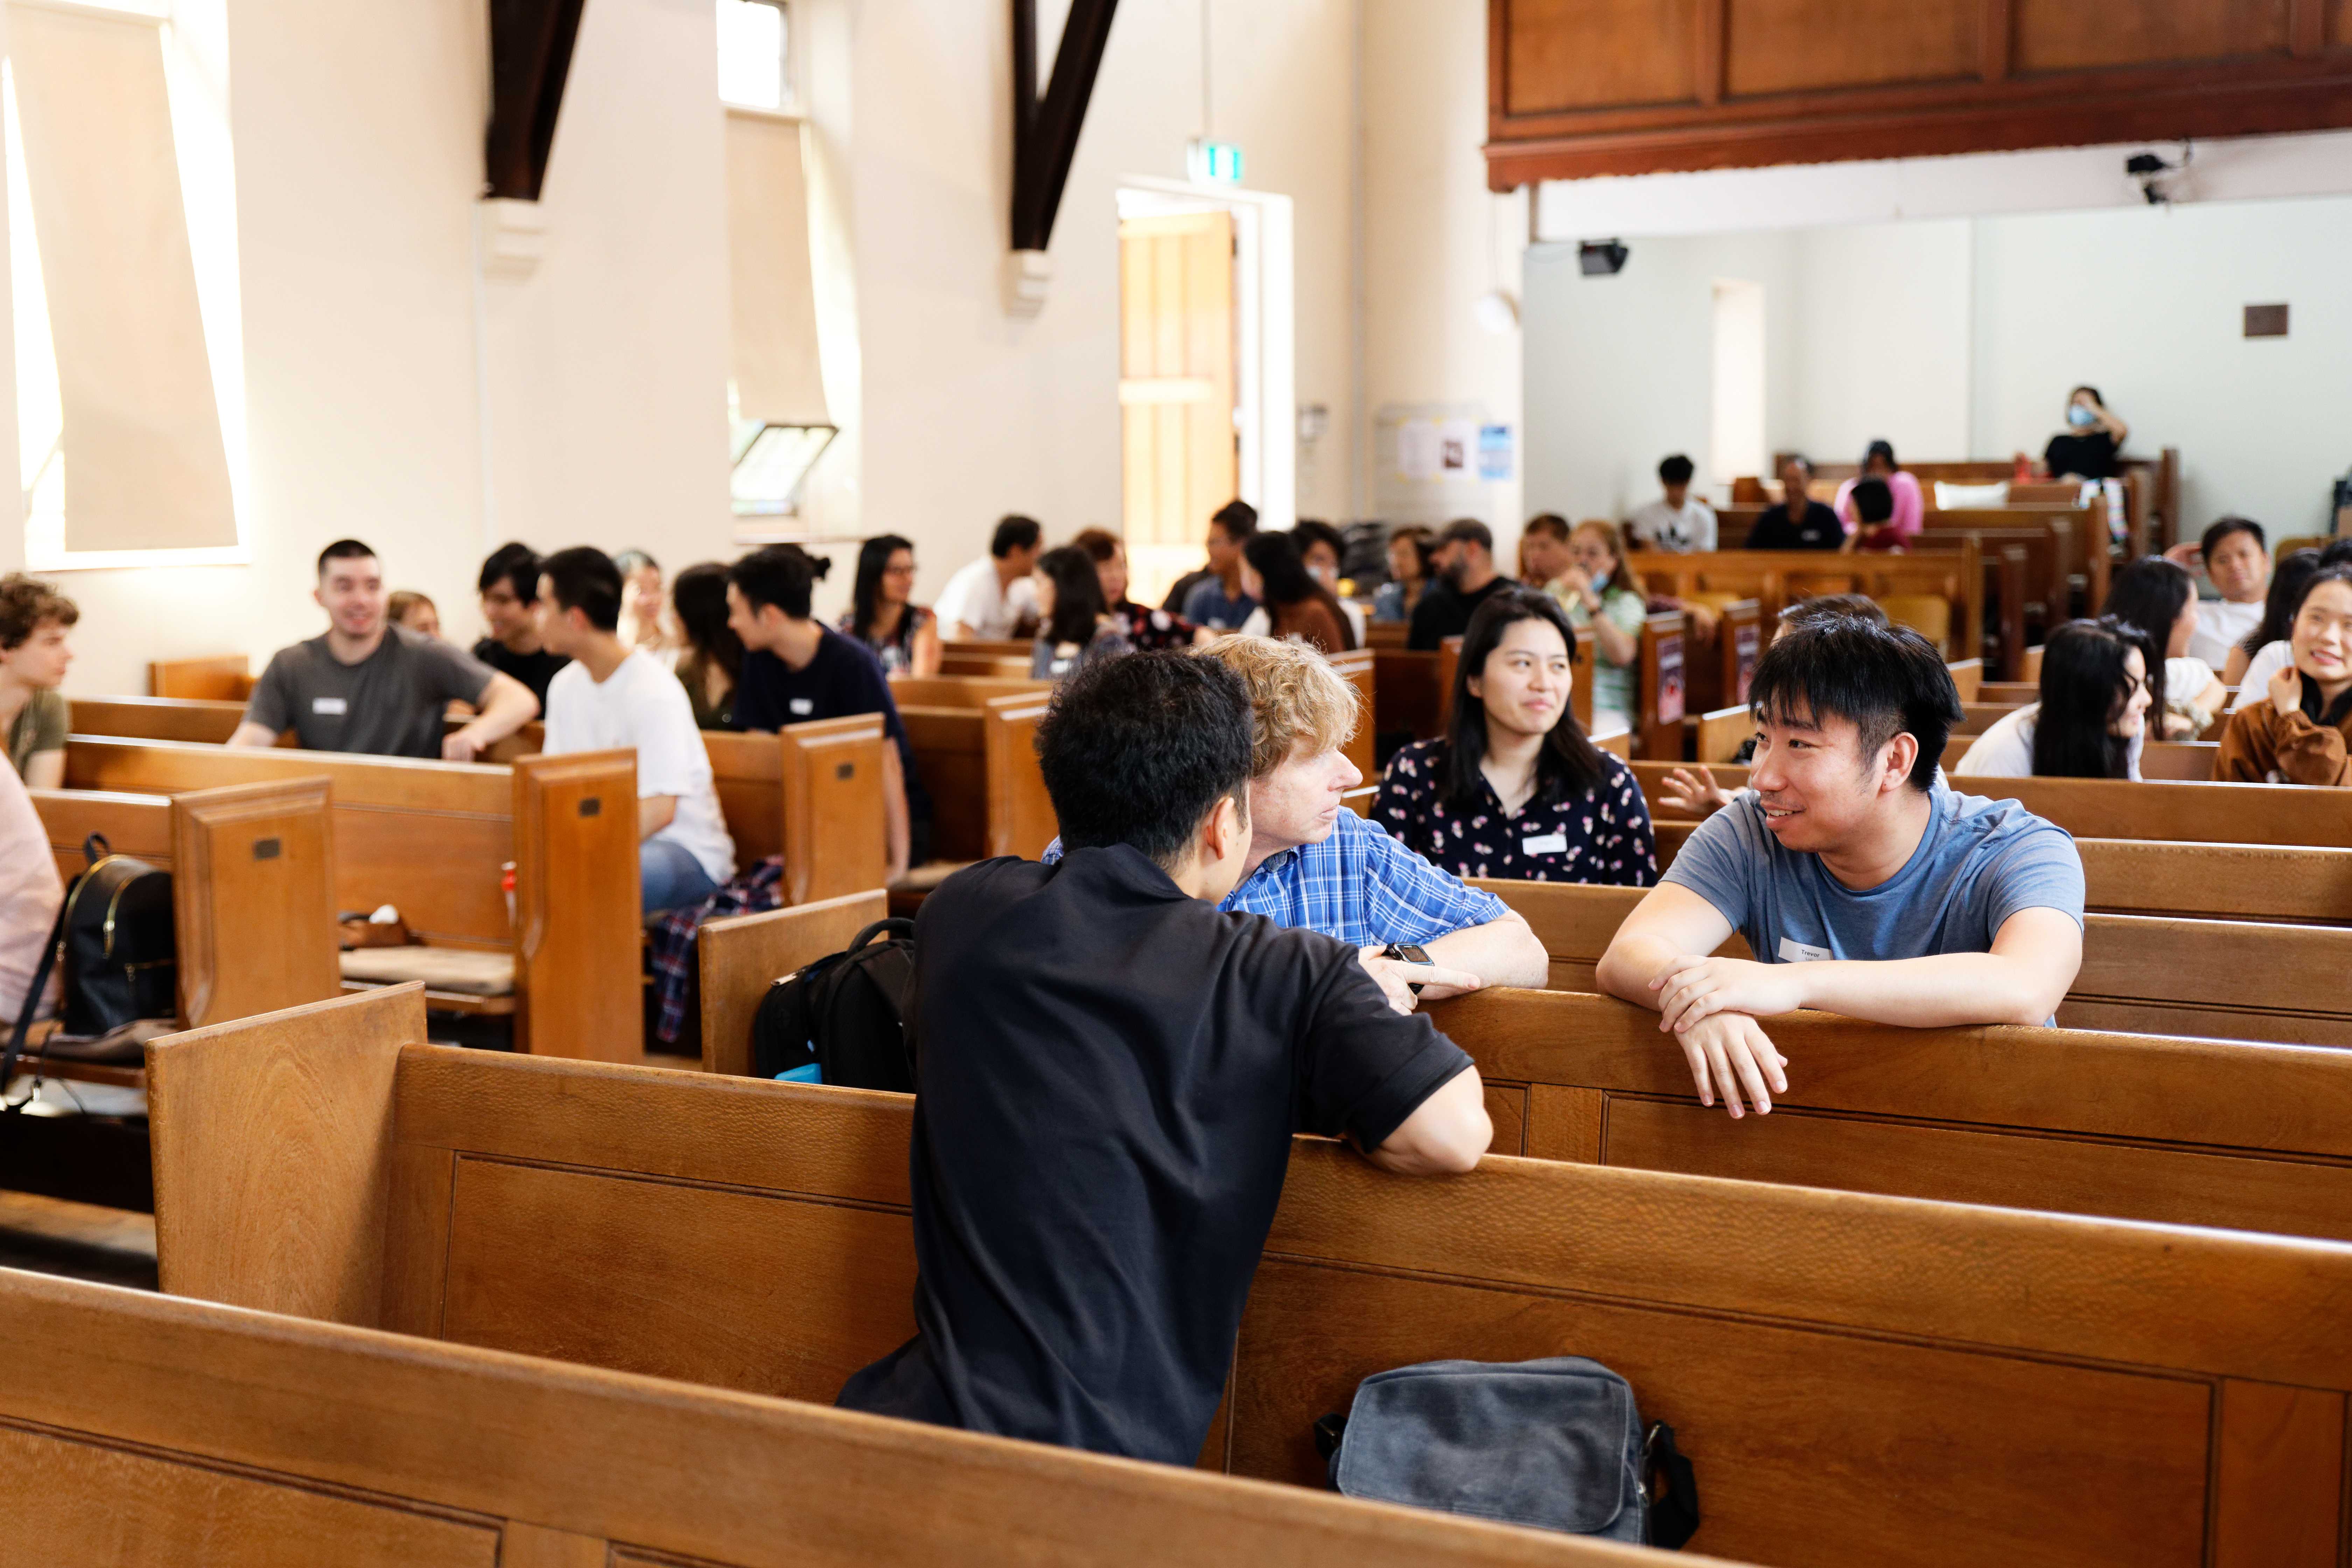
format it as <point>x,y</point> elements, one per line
<point>1882,345</point>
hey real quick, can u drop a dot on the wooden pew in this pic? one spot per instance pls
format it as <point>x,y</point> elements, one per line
<point>977,752</point>
<point>741,956</point>
<point>1410,699</point>
<point>812,793</point>
<point>430,839</point>
<point>1859,1378</point>
<point>1006,659</point>
<point>163,1433</point>
<point>253,887</point>
<point>2242,1136</point>
<point>227,679</point>
<point>1778,578</point>
<point>1662,688</point>
<point>2180,762</point>
<point>2118,808</point>
<point>2141,974</point>
<point>156,718</point>
<point>1722,733</point>
<point>1356,667</point>
<point>1722,680</point>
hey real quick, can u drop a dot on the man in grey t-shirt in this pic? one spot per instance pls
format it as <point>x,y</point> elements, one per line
<point>1863,884</point>
<point>367,686</point>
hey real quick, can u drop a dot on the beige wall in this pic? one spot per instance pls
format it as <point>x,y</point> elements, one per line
<point>371,339</point>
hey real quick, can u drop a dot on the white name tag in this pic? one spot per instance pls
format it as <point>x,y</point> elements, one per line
<point>1548,844</point>
<point>1059,666</point>
<point>1794,952</point>
<point>334,705</point>
<point>803,705</point>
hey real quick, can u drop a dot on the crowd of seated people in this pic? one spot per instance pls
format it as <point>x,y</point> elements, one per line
<point>2098,691</point>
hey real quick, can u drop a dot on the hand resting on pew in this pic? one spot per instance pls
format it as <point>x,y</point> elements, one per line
<point>1404,981</point>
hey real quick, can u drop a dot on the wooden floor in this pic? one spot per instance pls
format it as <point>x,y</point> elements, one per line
<point>81,1241</point>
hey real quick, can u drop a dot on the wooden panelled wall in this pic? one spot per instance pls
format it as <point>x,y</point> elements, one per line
<point>1626,86</point>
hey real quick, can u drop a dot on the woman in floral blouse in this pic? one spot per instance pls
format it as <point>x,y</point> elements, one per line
<point>1515,790</point>
<point>1146,628</point>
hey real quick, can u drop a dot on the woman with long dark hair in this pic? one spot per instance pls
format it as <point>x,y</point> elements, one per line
<point>1146,628</point>
<point>1516,789</point>
<point>2294,573</point>
<point>883,614</point>
<point>2297,727</point>
<point>1076,629</point>
<point>2160,597</point>
<point>1292,603</point>
<point>711,660</point>
<point>2092,720</point>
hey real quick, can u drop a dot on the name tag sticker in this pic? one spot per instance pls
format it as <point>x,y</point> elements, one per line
<point>334,705</point>
<point>1794,952</point>
<point>803,705</point>
<point>1548,844</point>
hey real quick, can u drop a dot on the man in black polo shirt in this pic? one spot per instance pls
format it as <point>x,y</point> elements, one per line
<point>1108,1074</point>
<point>1464,557</point>
<point>1797,522</point>
<point>797,670</point>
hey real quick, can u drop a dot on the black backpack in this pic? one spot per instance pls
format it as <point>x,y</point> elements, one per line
<point>842,1019</point>
<point>115,937</point>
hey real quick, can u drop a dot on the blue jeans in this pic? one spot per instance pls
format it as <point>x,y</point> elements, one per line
<point>669,876</point>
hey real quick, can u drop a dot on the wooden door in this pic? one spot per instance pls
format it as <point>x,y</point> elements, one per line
<point>1176,375</point>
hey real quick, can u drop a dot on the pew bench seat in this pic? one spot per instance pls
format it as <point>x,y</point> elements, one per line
<point>459,979</point>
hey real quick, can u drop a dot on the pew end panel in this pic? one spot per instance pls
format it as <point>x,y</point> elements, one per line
<point>837,826</point>
<point>252,895</point>
<point>1355,667</point>
<point>1021,818</point>
<point>747,772</point>
<point>577,928</point>
<point>226,679</point>
<point>273,1154</point>
<point>739,957</point>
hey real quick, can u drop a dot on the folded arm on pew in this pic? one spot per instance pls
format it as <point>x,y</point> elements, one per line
<point>1505,951</point>
<point>506,704</point>
<point>1727,1050</point>
<point>1443,1136</point>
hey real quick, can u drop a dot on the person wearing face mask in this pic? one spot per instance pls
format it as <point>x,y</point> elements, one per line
<point>1604,598</point>
<point>1322,548</point>
<point>1515,789</point>
<point>2299,727</point>
<point>2086,448</point>
<point>2092,720</point>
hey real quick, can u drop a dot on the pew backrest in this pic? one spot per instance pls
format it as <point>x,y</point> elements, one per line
<point>227,678</point>
<point>2011,1385</point>
<point>156,718</point>
<point>741,956</point>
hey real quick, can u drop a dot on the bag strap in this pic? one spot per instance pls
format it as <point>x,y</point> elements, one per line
<point>96,848</point>
<point>33,1000</point>
<point>1674,1490</point>
<point>898,926</point>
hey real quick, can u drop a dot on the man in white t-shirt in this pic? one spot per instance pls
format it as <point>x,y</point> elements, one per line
<point>30,893</point>
<point>613,697</point>
<point>1681,522</point>
<point>2237,559</point>
<point>991,597</point>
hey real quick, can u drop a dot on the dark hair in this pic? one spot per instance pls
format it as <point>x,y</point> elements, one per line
<point>1676,470</point>
<point>1237,518</point>
<point>1307,531</point>
<point>1078,596</point>
<point>2093,391</point>
<point>403,600</point>
<point>1279,562</point>
<point>25,603</point>
<point>344,550</point>
<point>1550,524</point>
<point>1099,543</point>
<point>2227,526</point>
<point>873,560</point>
<point>515,565</point>
<point>1797,457</point>
<point>1874,500</point>
<point>2335,552</point>
<point>1883,680</point>
<point>2293,573</point>
<point>1880,450</point>
<point>1014,531</point>
<point>2084,687</point>
<point>2333,571</point>
<point>780,574</point>
<point>2150,594</point>
<point>698,592</point>
<point>1466,529</point>
<point>1138,750</point>
<point>1830,606</point>
<point>583,578</point>
<point>1568,762</point>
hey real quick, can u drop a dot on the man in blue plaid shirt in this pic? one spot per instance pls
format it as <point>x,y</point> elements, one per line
<point>1314,863</point>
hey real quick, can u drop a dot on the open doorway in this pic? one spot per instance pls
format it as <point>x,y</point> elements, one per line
<point>1205,369</point>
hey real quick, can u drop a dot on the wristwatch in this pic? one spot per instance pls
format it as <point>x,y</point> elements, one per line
<point>1406,953</point>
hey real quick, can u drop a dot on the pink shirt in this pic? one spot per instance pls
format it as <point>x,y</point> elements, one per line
<point>30,893</point>
<point>1910,509</point>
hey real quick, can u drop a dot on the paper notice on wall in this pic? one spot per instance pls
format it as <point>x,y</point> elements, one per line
<point>1418,452</point>
<point>1457,448</point>
<point>1494,451</point>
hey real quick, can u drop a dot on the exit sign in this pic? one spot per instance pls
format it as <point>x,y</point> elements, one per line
<point>1212,162</point>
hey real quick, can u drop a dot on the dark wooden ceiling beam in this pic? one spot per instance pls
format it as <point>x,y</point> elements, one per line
<point>1046,133</point>
<point>530,55</point>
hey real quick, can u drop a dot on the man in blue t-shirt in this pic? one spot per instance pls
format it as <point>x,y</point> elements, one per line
<point>1863,884</point>
<point>795,671</point>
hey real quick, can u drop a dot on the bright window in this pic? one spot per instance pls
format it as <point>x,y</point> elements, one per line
<point>1738,445</point>
<point>754,54</point>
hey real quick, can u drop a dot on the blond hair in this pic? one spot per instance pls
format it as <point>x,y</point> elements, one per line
<point>1624,573</point>
<point>1295,696</point>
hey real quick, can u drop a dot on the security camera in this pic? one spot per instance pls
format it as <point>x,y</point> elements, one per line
<point>2150,170</point>
<point>1601,257</point>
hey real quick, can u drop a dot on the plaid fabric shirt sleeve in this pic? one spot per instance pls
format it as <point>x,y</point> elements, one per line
<point>1406,900</point>
<point>672,947</point>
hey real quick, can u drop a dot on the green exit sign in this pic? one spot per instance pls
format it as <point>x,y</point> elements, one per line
<point>1213,163</point>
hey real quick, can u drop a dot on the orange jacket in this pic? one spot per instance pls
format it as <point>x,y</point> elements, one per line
<point>2262,747</point>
